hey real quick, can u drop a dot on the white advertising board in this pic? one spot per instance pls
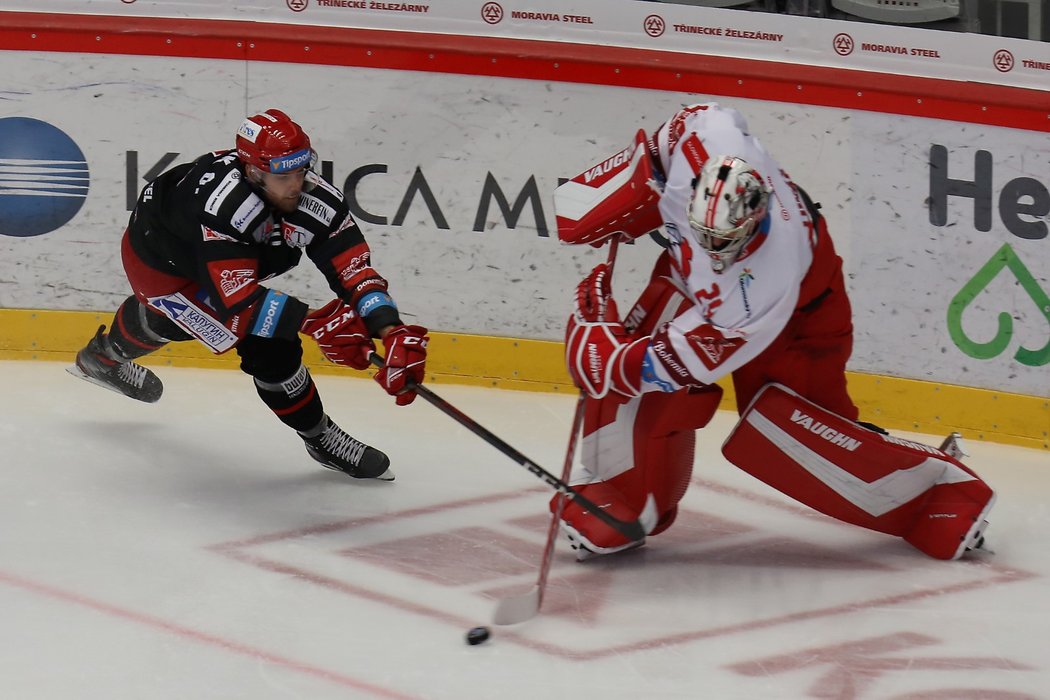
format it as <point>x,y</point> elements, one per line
<point>451,179</point>
<point>666,26</point>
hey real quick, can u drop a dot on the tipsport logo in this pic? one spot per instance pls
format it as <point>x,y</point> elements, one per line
<point>43,177</point>
<point>1023,207</point>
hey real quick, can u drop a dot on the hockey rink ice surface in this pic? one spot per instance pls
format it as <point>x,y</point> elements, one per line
<point>192,550</point>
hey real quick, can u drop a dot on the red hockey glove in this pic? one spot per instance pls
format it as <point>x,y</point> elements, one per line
<point>341,334</point>
<point>594,302</point>
<point>598,352</point>
<point>405,362</point>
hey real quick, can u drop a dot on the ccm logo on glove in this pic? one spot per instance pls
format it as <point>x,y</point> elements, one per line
<point>405,363</point>
<point>340,334</point>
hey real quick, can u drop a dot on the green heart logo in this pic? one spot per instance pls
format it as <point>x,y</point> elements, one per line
<point>1005,257</point>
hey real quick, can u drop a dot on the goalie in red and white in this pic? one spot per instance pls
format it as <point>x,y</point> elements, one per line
<point>750,286</point>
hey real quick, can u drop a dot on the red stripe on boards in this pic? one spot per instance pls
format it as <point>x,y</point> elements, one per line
<point>957,101</point>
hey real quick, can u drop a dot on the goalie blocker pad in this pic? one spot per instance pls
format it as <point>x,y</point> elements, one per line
<point>859,476</point>
<point>618,195</point>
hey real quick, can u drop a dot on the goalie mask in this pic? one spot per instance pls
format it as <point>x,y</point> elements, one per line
<point>273,143</point>
<point>729,202</point>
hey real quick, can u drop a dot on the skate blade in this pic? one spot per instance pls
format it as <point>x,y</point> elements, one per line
<point>388,475</point>
<point>79,373</point>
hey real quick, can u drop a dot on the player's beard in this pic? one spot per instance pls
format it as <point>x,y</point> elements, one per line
<point>286,205</point>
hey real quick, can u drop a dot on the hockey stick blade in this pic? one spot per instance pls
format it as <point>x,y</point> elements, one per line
<point>518,608</point>
<point>633,530</point>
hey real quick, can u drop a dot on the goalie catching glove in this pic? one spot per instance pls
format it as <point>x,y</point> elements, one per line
<point>405,362</point>
<point>599,353</point>
<point>340,334</point>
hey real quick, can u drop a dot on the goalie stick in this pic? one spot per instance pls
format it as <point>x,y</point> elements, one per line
<point>519,608</point>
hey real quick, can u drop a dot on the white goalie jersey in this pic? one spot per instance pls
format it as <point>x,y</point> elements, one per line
<point>736,312</point>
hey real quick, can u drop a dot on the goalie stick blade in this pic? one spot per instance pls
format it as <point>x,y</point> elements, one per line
<point>519,608</point>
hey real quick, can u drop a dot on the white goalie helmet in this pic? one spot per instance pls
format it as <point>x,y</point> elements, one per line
<point>729,202</point>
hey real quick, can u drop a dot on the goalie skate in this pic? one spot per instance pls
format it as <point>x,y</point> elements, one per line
<point>95,365</point>
<point>953,446</point>
<point>338,451</point>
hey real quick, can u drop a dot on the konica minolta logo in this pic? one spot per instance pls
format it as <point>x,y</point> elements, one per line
<point>45,177</point>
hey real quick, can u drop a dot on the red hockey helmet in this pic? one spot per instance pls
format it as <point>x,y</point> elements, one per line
<point>273,143</point>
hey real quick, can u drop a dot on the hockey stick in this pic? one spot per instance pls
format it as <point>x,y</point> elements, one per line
<point>519,608</point>
<point>630,529</point>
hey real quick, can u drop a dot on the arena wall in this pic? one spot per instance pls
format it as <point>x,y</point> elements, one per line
<point>936,188</point>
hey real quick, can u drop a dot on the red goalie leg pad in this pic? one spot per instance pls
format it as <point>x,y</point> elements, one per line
<point>639,456</point>
<point>853,474</point>
<point>952,519</point>
<point>665,446</point>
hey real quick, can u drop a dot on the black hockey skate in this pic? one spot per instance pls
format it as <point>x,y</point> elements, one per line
<point>336,450</point>
<point>96,364</point>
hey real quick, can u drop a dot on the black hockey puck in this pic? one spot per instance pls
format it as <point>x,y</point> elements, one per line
<point>477,635</point>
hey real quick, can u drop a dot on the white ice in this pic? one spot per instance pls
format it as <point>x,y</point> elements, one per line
<point>191,549</point>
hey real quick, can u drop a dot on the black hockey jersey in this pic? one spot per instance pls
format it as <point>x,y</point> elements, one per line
<point>204,221</point>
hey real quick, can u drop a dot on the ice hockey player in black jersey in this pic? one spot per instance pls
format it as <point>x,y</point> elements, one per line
<point>201,240</point>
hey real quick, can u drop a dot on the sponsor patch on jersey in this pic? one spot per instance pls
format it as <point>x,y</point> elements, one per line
<point>195,321</point>
<point>247,212</point>
<point>233,279</point>
<point>745,279</point>
<point>364,285</point>
<point>711,346</point>
<point>670,360</point>
<point>676,129</point>
<point>316,208</point>
<point>295,236</point>
<point>210,234</point>
<point>352,262</point>
<point>221,192</point>
<point>694,152</point>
